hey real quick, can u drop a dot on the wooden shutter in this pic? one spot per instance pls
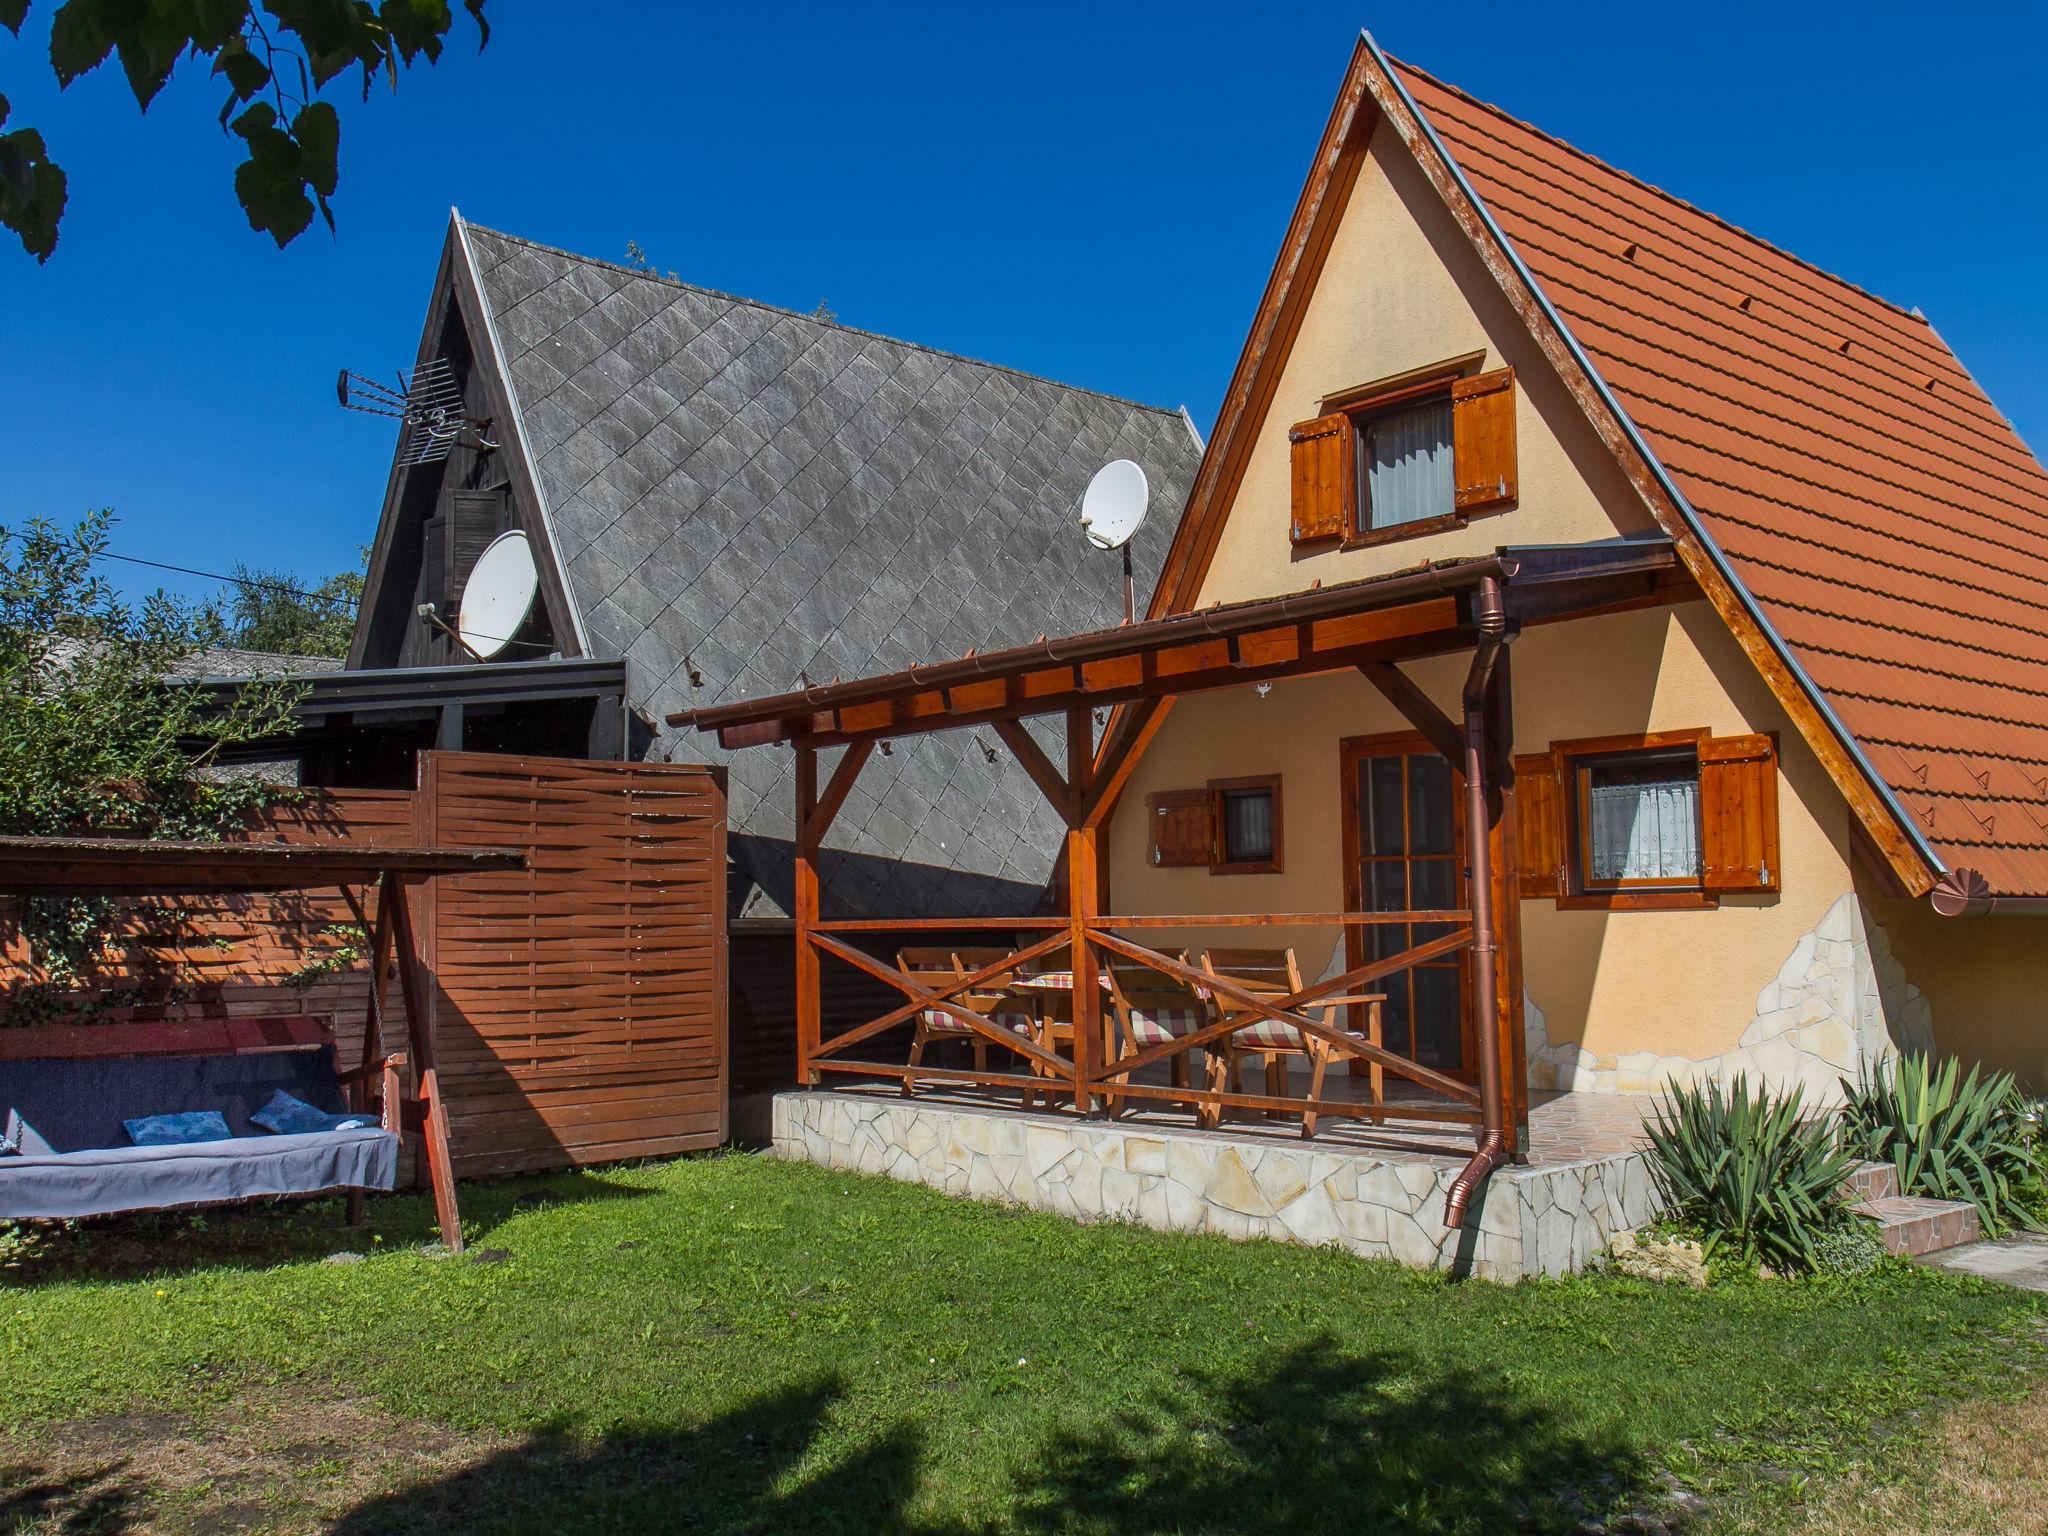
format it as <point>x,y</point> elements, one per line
<point>474,518</point>
<point>1539,826</point>
<point>1325,463</point>
<point>1739,813</point>
<point>1182,827</point>
<point>1483,439</point>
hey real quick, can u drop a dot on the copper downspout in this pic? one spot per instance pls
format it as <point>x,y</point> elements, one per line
<point>1490,615</point>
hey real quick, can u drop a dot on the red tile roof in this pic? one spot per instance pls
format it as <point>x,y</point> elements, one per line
<point>1889,521</point>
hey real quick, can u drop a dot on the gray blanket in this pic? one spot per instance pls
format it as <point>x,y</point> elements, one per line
<point>102,1180</point>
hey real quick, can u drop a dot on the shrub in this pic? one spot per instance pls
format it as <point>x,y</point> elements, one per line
<point>1848,1251</point>
<point>1756,1175</point>
<point>1949,1135</point>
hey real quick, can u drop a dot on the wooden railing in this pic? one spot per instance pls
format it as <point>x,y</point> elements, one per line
<point>1095,1077</point>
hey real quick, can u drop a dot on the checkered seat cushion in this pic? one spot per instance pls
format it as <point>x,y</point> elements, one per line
<point>939,1022</point>
<point>1157,1025</point>
<point>1272,1035</point>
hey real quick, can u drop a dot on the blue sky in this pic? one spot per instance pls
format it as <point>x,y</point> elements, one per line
<point>1094,194</point>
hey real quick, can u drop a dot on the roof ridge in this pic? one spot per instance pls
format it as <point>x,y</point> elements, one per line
<point>797,314</point>
<point>1672,197</point>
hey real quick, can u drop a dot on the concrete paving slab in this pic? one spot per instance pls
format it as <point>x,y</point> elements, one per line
<point>2020,1260</point>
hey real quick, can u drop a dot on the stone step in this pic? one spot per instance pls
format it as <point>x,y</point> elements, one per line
<point>1910,1224</point>
<point>1871,1181</point>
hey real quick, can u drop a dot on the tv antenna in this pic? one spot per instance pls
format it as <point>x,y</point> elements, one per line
<point>429,404</point>
<point>1112,511</point>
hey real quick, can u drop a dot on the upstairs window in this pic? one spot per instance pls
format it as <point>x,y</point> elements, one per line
<point>1404,461</point>
<point>1407,469</point>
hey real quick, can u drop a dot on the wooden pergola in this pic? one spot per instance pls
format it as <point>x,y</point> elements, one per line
<point>69,866</point>
<point>1371,626</point>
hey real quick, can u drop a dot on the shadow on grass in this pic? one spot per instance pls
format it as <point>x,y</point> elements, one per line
<point>268,1232</point>
<point>1317,1441</point>
<point>1323,1440</point>
<point>100,1500</point>
<point>739,1473</point>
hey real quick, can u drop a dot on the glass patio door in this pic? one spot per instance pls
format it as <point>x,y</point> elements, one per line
<point>1404,850</point>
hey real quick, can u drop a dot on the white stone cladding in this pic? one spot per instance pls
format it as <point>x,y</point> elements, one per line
<point>1548,1220</point>
<point>1838,1006</point>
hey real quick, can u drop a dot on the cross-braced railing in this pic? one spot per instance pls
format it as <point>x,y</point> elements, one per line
<point>1101,1072</point>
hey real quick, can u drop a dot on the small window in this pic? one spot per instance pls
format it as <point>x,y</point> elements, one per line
<point>1247,826</point>
<point>1639,820</point>
<point>1405,473</point>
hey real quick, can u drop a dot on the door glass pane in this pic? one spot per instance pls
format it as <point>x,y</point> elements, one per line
<point>1387,887</point>
<point>1383,829</point>
<point>1434,883</point>
<point>1431,826</point>
<point>1436,1010</point>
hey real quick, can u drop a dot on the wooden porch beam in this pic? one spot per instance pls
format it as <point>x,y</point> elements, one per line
<point>836,791</point>
<point>1416,707</point>
<point>1120,757</point>
<point>1037,764</point>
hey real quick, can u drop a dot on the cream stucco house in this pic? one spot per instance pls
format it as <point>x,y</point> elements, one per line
<point>1628,629</point>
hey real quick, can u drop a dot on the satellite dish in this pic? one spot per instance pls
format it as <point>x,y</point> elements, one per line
<point>1114,507</point>
<point>498,595</point>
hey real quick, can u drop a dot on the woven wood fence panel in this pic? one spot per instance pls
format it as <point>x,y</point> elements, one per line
<point>580,1003</point>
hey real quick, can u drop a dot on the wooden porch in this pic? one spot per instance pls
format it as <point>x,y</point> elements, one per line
<point>1091,1062</point>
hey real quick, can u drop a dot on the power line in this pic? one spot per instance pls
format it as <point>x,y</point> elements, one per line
<point>286,587</point>
<point>240,581</point>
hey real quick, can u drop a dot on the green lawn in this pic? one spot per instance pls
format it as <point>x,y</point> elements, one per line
<point>733,1344</point>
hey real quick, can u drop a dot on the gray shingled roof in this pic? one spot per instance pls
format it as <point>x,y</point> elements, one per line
<point>764,495</point>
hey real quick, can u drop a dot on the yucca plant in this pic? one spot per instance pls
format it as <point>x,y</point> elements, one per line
<point>1753,1172</point>
<point>1947,1134</point>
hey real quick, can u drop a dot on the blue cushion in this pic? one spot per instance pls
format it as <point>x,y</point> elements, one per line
<point>178,1130</point>
<point>295,1117</point>
<point>22,1139</point>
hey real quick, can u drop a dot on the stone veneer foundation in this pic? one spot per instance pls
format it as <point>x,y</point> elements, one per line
<point>1543,1220</point>
<point>1838,1006</point>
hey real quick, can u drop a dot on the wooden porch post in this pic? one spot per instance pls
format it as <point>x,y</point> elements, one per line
<point>809,1010</point>
<point>1084,895</point>
<point>1501,835</point>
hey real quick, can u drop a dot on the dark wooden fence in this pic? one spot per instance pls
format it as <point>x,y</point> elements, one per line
<point>579,1004</point>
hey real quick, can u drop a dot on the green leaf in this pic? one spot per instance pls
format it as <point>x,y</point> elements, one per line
<point>81,37</point>
<point>318,131</point>
<point>33,191</point>
<point>246,73</point>
<point>13,11</point>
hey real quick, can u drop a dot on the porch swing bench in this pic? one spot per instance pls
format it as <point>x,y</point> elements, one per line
<point>77,1088</point>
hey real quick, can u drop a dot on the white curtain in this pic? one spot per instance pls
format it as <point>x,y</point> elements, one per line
<point>1647,829</point>
<point>1248,824</point>
<point>1408,465</point>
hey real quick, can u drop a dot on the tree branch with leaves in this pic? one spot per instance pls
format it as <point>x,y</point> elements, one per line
<point>275,59</point>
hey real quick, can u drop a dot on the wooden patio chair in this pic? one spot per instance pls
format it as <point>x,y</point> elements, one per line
<point>1275,973</point>
<point>1150,1008</point>
<point>939,968</point>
